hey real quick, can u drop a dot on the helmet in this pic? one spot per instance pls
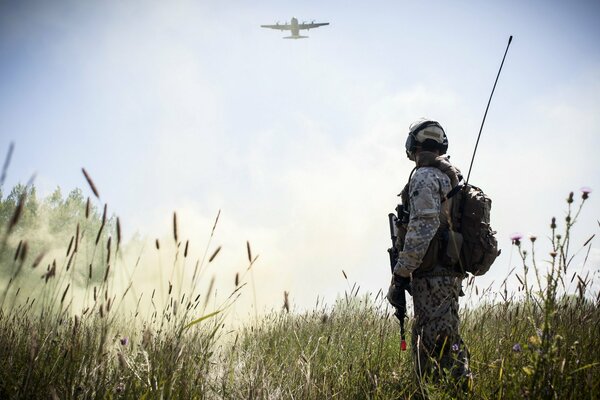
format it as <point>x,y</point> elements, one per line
<point>425,130</point>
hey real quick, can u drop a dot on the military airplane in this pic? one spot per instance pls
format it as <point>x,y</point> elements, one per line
<point>295,27</point>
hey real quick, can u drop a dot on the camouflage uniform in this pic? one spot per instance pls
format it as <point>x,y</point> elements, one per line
<point>435,289</point>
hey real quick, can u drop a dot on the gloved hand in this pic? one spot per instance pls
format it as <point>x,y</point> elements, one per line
<point>396,295</point>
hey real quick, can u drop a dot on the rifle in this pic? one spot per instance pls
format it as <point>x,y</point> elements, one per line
<point>402,284</point>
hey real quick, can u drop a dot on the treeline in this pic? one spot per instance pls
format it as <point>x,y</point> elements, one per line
<point>39,233</point>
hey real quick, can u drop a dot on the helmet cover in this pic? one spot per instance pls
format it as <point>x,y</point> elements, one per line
<point>422,130</point>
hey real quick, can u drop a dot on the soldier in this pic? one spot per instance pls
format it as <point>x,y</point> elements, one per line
<point>437,347</point>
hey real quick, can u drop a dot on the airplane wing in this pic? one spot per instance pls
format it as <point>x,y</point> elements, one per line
<point>281,27</point>
<point>312,25</point>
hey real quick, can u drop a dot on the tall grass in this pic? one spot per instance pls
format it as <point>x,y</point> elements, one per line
<point>76,339</point>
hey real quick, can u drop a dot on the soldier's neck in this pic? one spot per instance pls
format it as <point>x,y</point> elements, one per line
<point>426,158</point>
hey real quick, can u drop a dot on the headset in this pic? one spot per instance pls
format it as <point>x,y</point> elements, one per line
<point>412,142</point>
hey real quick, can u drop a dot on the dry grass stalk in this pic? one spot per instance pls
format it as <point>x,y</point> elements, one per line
<point>237,279</point>
<point>215,224</point>
<point>118,232</point>
<point>75,324</point>
<point>11,148</point>
<point>70,261</point>
<point>38,259</point>
<point>50,273</point>
<point>104,214</point>
<point>212,257</point>
<point>175,226</point>
<point>249,251</point>
<point>23,254</point>
<point>146,338</point>
<point>208,292</point>
<point>18,250</point>
<point>106,273</point>
<point>101,225</point>
<point>34,348</point>
<point>157,244</point>
<point>185,252</point>
<point>65,293</point>
<point>286,302</point>
<point>76,239</point>
<point>87,208</point>
<point>90,182</point>
<point>70,245</point>
<point>14,220</point>
<point>108,249</point>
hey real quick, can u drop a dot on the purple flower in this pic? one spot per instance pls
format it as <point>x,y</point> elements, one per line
<point>585,192</point>
<point>517,348</point>
<point>516,238</point>
<point>124,341</point>
<point>455,347</point>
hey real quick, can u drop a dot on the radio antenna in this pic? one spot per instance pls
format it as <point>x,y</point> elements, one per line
<point>486,109</point>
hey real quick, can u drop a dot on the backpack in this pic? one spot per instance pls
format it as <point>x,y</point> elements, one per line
<point>470,232</point>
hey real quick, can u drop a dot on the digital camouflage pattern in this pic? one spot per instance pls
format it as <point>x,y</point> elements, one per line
<point>436,342</point>
<point>427,187</point>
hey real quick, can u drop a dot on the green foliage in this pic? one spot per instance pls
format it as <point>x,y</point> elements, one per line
<point>350,351</point>
<point>543,344</point>
<point>45,226</point>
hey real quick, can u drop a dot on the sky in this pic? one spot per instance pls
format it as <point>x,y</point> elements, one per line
<point>190,106</point>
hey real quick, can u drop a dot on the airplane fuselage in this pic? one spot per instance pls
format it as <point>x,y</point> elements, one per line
<point>294,25</point>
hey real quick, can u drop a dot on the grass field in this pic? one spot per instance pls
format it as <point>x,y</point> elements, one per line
<point>71,337</point>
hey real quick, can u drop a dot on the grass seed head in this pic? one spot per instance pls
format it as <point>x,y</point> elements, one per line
<point>23,254</point>
<point>175,226</point>
<point>14,220</point>
<point>108,249</point>
<point>76,239</point>
<point>90,182</point>
<point>70,245</point>
<point>214,254</point>
<point>118,232</point>
<point>38,259</point>
<point>18,250</point>
<point>106,273</point>
<point>62,299</point>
